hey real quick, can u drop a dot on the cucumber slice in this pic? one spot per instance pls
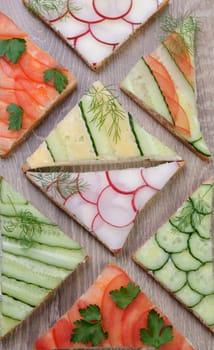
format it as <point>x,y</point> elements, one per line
<point>8,194</point>
<point>7,324</point>
<point>200,248</point>
<point>31,271</point>
<point>56,146</point>
<point>182,219</point>
<point>59,257</point>
<point>202,224</point>
<point>188,296</point>
<point>15,309</point>
<point>172,278</point>
<point>202,280</point>
<point>202,199</point>
<point>171,239</point>
<point>151,255</point>
<point>205,309</point>
<point>28,293</point>
<point>184,261</point>
<point>141,83</point>
<point>201,147</point>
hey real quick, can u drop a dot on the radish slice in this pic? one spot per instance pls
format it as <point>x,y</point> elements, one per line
<point>141,11</point>
<point>126,181</point>
<point>115,208</point>
<point>69,27</point>
<point>59,11</point>
<point>93,50</point>
<point>94,185</point>
<point>111,32</point>
<point>83,11</point>
<point>114,238</point>
<point>157,177</point>
<point>112,9</point>
<point>84,212</point>
<point>142,196</point>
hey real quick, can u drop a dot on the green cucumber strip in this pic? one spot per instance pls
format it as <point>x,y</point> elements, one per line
<point>50,235</point>
<point>59,257</point>
<point>184,261</point>
<point>15,309</point>
<point>32,271</point>
<point>151,256</point>
<point>188,296</point>
<point>200,248</point>
<point>182,218</point>
<point>171,239</point>
<point>56,147</point>
<point>131,123</point>
<point>201,147</point>
<point>28,293</point>
<point>7,324</point>
<point>172,278</point>
<point>8,194</point>
<point>205,309</point>
<point>202,280</point>
<point>202,224</point>
<point>88,128</point>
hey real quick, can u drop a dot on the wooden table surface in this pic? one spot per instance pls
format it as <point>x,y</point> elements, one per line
<point>166,202</point>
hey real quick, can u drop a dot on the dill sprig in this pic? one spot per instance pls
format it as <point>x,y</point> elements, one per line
<point>186,27</point>
<point>47,6</point>
<point>27,224</point>
<point>103,105</point>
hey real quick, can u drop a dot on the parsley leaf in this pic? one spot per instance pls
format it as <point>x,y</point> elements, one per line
<point>89,329</point>
<point>15,118</point>
<point>157,334</point>
<point>125,295</point>
<point>60,80</point>
<point>12,48</point>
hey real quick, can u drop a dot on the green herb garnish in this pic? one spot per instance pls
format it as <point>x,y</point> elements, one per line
<point>60,80</point>
<point>182,221</point>
<point>89,329</point>
<point>12,48</point>
<point>104,105</point>
<point>15,118</point>
<point>156,333</point>
<point>46,6</point>
<point>27,224</point>
<point>125,295</point>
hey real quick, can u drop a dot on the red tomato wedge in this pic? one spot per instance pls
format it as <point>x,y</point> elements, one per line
<point>123,325</point>
<point>167,87</point>
<point>8,29</point>
<point>181,56</point>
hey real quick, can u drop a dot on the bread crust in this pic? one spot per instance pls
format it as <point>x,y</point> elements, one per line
<point>98,67</point>
<point>165,123</point>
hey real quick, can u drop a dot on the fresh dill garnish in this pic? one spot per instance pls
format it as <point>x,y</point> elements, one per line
<point>182,30</point>
<point>103,105</point>
<point>47,6</point>
<point>27,224</point>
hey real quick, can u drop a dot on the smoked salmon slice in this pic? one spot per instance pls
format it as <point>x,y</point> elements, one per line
<point>121,324</point>
<point>23,82</point>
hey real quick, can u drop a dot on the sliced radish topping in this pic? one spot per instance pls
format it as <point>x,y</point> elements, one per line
<point>115,208</point>
<point>90,185</point>
<point>142,196</point>
<point>141,11</point>
<point>93,50</point>
<point>70,27</point>
<point>84,212</point>
<point>158,176</point>
<point>83,11</point>
<point>125,181</point>
<point>59,11</point>
<point>112,237</point>
<point>112,9</point>
<point>111,32</point>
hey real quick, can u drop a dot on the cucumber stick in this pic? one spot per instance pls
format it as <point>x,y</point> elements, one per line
<point>7,324</point>
<point>180,255</point>
<point>15,309</point>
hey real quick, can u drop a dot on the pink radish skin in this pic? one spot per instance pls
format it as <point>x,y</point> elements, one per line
<point>157,177</point>
<point>142,196</point>
<point>106,8</point>
<point>141,11</point>
<point>95,183</point>
<point>86,13</point>
<point>71,25</point>
<point>118,180</point>
<point>115,209</point>
<point>58,18</point>
<point>85,212</point>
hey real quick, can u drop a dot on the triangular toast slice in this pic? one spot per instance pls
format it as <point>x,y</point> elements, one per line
<point>163,83</point>
<point>121,314</point>
<point>96,29</point>
<point>106,203</point>
<point>32,83</point>
<point>36,258</point>
<point>98,129</point>
<point>179,256</point>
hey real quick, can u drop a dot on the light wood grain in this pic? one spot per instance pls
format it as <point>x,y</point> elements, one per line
<point>166,202</point>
